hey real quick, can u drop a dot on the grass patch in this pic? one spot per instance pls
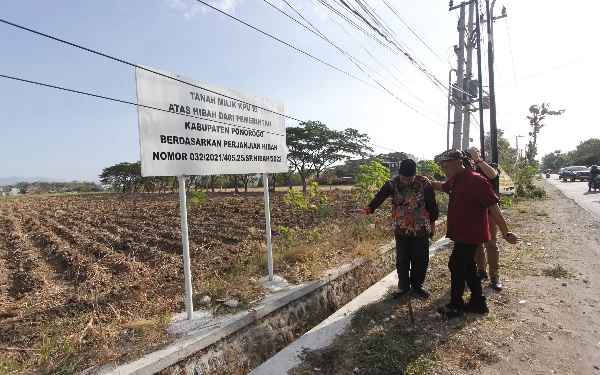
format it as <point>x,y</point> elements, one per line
<point>558,272</point>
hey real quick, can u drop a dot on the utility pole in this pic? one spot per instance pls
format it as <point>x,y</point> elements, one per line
<point>479,77</point>
<point>460,72</point>
<point>517,145</point>
<point>468,75</point>
<point>449,105</point>
<point>493,124</point>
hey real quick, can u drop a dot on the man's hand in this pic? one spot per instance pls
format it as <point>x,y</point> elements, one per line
<point>360,215</point>
<point>474,154</point>
<point>512,239</point>
<point>432,229</point>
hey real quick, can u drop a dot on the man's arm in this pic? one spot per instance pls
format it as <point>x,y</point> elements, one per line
<point>437,186</point>
<point>497,215</point>
<point>378,199</point>
<point>431,205</point>
<point>489,172</point>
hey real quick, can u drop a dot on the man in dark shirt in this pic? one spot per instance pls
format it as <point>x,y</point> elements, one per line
<point>471,196</point>
<point>414,212</point>
<point>487,253</point>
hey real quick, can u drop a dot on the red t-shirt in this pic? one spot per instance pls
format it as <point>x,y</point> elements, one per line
<point>470,196</point>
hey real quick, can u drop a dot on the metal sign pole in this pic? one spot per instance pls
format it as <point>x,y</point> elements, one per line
<point>186,249</point>
<point>268,226</point>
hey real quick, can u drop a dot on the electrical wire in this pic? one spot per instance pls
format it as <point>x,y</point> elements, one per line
<point>126,102</point>
<point>350,57</point>
<point>143,106</point>
<point>135,66</point>
<point>414,31</point>
<point>552,69</point>
<point>176,79</point>
<point>403,53</point>
<point>307,54</point>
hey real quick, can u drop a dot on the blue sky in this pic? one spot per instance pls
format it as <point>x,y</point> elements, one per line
<point>49,133</point>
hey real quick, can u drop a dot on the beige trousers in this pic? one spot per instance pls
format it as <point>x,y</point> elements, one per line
<point>487,253</point>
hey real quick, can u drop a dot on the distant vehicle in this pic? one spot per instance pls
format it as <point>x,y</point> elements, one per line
<point>573,173</point>
<point>560,173</point>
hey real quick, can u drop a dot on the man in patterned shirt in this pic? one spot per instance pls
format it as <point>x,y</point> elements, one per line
<point>414,212</point>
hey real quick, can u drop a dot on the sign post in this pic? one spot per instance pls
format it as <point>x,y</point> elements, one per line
<point>187,274</point>
<point>268,226</point>
<point>191,128</point>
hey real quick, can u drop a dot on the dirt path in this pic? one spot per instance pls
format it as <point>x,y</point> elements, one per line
<point>557,328</point>
<point>545,321</point>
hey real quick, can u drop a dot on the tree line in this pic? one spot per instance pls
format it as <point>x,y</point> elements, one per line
<point>587,153</point>
<point>312,147</point>
<point>56,187</point>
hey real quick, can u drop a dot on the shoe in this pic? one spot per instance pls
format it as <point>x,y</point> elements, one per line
<point>450,312</point>
<point>476,305</point>
<point>482,274</point>
<point>399,293</point>
<point>421,293</point>
<point>496,283</point>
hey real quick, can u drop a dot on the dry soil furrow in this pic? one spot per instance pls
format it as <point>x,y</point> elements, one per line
<point>74,267</point>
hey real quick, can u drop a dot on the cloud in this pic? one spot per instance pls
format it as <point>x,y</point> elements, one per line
<point>178,4</point>
<point>227,6</point>
<point>193,10</point>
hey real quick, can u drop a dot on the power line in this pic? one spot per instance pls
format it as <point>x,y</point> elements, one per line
<point>413,31</point>
<point>306,53</point>
<point>126,102</point>
<point>136,66</point>
<point>353,59</point>
<point>179,80</point>
<point>355,13</point>
<point>141,105</point>
<point>555,68</point>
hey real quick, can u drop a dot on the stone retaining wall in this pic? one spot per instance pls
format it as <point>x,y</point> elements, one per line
<point>238,344</point>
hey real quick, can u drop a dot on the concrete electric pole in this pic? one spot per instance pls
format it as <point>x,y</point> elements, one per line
<point>493,124</point>
<point>460,72</point>
<point>468,76</point>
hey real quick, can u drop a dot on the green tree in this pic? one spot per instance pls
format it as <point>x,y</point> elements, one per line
<point>430,169</point>
<point>312,147</point>
<point>554,160</point>
<point>126,177</point>
<point>535,120</point>
<point>507,156</point>
<point>587,153</point>
<point>369,180</point>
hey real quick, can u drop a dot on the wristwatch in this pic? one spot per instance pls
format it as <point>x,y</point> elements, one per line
<point>478,161</point>
<point>507,234</point>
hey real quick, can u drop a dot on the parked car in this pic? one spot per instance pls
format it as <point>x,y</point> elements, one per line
<point>560,173</point>
<point>576,173</point>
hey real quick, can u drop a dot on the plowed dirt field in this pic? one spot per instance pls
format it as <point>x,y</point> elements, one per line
<point>95,278</point>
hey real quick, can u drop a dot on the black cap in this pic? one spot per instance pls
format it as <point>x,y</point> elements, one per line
<point>408,168</point>
<point>450,155</point>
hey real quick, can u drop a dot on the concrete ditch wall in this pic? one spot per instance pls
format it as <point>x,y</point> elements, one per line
<point>237,344</point>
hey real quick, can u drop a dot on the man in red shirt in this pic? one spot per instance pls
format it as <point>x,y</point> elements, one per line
<point>471,195</point>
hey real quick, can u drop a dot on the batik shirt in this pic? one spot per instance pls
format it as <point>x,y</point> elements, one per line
<point>414,206</point>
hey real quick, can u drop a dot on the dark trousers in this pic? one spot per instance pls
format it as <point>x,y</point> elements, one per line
<point>462,268</point>
<point>412,259</point>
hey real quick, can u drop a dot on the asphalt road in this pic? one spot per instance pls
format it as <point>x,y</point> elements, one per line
<point>578,192</point>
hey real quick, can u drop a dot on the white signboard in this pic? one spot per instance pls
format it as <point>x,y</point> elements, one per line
<point>194,131</point>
